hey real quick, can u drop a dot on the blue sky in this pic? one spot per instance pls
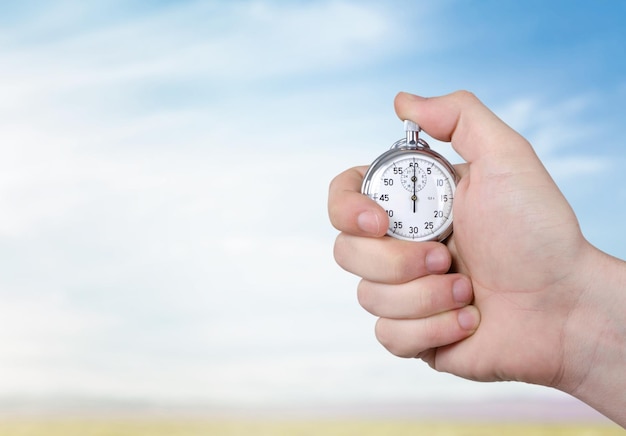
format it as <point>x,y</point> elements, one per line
<point>164,168</point>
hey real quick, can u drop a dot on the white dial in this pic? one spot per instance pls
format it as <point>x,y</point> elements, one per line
<point>416,188</point>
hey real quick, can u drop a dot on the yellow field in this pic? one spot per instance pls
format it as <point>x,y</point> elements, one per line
<point>101,427</point>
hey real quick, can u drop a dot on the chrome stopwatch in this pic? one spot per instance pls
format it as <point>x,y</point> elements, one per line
<point>415,185</point>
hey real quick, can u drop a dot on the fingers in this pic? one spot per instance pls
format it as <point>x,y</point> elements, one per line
<point>462,119</point>
<point>421,315</point>
<point>352,212</point>
<point>420,298</point>
<point>389,260</point>
<point>414,337</point>
<point>379,259</point>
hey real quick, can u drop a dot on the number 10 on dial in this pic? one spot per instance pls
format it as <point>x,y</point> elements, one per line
<point>415,186</point>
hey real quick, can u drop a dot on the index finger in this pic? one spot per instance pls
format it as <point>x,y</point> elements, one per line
<point>352,212</point>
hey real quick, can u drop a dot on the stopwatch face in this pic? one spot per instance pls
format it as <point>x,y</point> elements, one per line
<point>416,189</point>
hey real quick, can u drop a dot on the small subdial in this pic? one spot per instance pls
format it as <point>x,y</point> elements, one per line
<point>413,178</point>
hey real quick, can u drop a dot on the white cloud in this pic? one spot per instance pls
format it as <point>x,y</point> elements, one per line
<point>551,126</point>
<point>232,43</point>
<point>578,166</point>
<point>561,132</point>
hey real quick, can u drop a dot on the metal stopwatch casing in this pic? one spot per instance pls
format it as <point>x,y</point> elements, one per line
<point>415,185</point>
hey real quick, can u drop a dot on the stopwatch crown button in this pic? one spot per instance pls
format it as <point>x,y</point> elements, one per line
<point>410,126</point>
<point>412,132</point>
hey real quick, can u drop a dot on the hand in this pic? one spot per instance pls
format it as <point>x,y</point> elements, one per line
<point>516,245</point>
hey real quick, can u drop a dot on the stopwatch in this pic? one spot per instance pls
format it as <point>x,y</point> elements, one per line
<point>415,185</point>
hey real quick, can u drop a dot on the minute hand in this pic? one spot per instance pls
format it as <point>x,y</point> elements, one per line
<point>414,198</point>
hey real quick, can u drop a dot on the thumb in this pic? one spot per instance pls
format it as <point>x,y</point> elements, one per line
<point>463,120</point>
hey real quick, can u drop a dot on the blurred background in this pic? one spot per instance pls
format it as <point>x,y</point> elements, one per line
<point>164,168</point>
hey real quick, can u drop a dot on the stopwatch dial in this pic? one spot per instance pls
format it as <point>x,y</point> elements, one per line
<point>417,192</point>
<point>413,178</point>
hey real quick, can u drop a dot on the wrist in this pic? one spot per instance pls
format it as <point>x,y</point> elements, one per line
<point>594,337</point>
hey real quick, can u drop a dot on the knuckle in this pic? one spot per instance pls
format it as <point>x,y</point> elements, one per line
<point>391,340</point>
<point>333,184</point>
<point>406,266</point>
<point>424,301</point>
<point>340,250</point>
<point>465,96</point>
<point>365,296</point>
<point>385,336</point>
<point>431,330</point>
<point>401,268</point>
<point>334,214</point>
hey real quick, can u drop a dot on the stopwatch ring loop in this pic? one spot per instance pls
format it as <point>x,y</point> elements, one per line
<point>402,143</point>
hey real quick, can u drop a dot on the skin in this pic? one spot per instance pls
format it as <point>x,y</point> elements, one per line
<point>516,293</point>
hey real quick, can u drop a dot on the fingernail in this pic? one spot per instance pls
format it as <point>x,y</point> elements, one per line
<point>468,318</point>
<point>368,222</point>
<point>462,291</point>
<point>437,260</point>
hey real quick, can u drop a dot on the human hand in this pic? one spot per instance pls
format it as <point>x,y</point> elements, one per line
<point>516,244</point>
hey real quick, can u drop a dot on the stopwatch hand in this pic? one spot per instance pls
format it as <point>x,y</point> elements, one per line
<point>414,198</point>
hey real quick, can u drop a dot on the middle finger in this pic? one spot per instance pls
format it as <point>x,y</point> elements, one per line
<point>419,298</point>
